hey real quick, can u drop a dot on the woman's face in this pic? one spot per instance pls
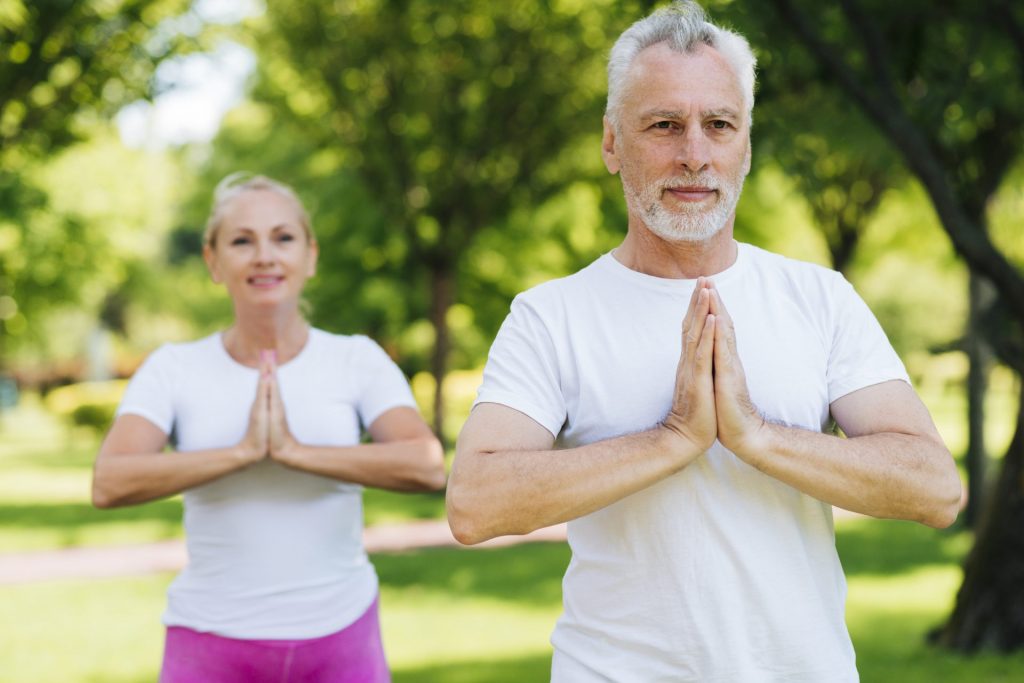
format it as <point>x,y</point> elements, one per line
<point>261,252</point>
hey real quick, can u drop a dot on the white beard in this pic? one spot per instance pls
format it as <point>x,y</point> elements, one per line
<point>687,222</point>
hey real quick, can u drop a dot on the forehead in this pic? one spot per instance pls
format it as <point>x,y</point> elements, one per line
<point>260,208</point>
<point>661,78</point>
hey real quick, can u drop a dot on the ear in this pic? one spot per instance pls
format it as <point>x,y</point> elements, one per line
<point>611,159</point>
<point>314,255</point>
<point>746,160</point>
<point>211,263</point>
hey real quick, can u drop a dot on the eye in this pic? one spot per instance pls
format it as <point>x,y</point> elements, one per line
<point>663,125</point>
<point>285,237</point>
<point>719,124</point>
<point>239,241</point>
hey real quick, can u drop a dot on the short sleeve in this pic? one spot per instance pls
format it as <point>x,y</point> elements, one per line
<point>861,354</point>
<point>383,387</point>
<point>150,392</point>
<point>522,369</point>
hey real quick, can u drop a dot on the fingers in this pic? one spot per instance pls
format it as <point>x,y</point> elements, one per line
<point>702,359</point>
<point>725,331</point>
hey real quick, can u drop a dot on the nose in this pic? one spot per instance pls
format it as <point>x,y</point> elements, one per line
<point>694,152</point>
<point>264,253</point>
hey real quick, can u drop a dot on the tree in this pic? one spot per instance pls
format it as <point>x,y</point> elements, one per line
<point>936,81</point>
<point>64,66</point>
<point>838,162</point>
<point>451,115</point>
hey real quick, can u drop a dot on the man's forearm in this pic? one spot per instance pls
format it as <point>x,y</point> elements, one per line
<point>494,493</point>
<point>887,474</point>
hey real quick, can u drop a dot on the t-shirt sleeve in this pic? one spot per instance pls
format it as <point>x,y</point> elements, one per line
<point>861,354</point>
<point>150,392</point>
<point>384,386</point>
<point>522,369</point>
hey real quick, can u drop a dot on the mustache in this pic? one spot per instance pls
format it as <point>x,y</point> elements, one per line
<point>708,180</point>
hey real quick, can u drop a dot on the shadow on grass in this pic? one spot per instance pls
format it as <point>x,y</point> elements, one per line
<point>529,573</point>
<point>521,670</point>
<point>887,547</point>
<point>389,507</point>
<point>893,648</point>
<point>66,519</point>
<point>67,453</point>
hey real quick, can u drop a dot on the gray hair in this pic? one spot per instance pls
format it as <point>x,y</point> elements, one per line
<point>237,183</point>
<point>683,25</point>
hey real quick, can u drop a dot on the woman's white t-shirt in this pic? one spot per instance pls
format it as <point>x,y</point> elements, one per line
<point>274,553</point>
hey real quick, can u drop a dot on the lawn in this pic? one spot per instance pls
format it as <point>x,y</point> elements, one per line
<point>483,616</point>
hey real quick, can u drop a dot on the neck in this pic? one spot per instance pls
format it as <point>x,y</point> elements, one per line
<point>284,332</point>
<point>645,252</point>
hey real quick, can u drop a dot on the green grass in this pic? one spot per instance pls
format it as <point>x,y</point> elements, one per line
<point>902,580</point>
<point>468,615</point>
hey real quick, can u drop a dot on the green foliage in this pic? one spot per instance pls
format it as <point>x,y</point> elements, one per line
<point>94,416</point>
<point>426,138</point>
<point>87,404</point>
<point>63,67</point>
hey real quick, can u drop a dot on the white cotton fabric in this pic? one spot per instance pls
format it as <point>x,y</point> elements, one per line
<point>274,553</point>
<point>719,572</point>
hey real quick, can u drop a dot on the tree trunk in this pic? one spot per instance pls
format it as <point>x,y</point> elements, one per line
<point>989,612</point>
<point>442,296</point>
<point>977,380</point>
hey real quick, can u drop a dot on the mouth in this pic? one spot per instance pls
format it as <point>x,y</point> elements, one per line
<point>691,193</point>
<point>265,281</point>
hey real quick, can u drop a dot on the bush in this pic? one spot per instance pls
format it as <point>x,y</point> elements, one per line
<point>87,404</point>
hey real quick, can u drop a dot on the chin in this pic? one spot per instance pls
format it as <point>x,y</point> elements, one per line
<point>689,233</point>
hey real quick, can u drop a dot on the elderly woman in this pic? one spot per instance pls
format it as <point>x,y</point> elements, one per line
<point>265,420</point>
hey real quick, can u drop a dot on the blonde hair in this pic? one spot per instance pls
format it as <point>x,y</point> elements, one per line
<point>237,183</point>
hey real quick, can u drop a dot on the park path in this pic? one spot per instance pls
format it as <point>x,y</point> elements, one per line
<point>170,556</point>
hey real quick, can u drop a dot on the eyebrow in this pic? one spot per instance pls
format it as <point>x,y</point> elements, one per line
<point>279,226</point>
<point>723,113</point>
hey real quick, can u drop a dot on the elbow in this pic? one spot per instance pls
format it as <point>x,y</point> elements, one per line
<point>106,494</point>
<point>431,475</point>
<point>462,520</point>
<point>946,513</point>
<point>101,499</point>
<point>948,503</point>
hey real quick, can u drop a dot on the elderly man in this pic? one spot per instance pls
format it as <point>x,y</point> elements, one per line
<point>697,467</point>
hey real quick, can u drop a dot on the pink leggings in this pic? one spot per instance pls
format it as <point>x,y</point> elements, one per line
<point>352,655</point>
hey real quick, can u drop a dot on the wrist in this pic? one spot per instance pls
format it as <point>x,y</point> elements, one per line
<point>288,453</point>
<point>683,448</point>
<point>246,453</point>
<point>756,443</point>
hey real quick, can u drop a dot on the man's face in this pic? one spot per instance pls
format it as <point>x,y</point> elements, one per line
<point>682,143</point>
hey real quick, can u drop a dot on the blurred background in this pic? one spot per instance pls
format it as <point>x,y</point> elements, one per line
<point>448,153</point>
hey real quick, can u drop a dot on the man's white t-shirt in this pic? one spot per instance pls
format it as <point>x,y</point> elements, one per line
<point>719,572</point>
<point>274,553</point>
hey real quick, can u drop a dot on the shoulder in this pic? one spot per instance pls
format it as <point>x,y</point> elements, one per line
<point>334,341</point>
<point>174,354</point>
<point>349,348</point>
<point>554,294</point>
<point>784,267</point>
<point>813,284</point>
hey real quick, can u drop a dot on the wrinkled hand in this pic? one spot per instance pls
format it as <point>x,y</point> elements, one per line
<point>692,417</point>
<point>740,425</point>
